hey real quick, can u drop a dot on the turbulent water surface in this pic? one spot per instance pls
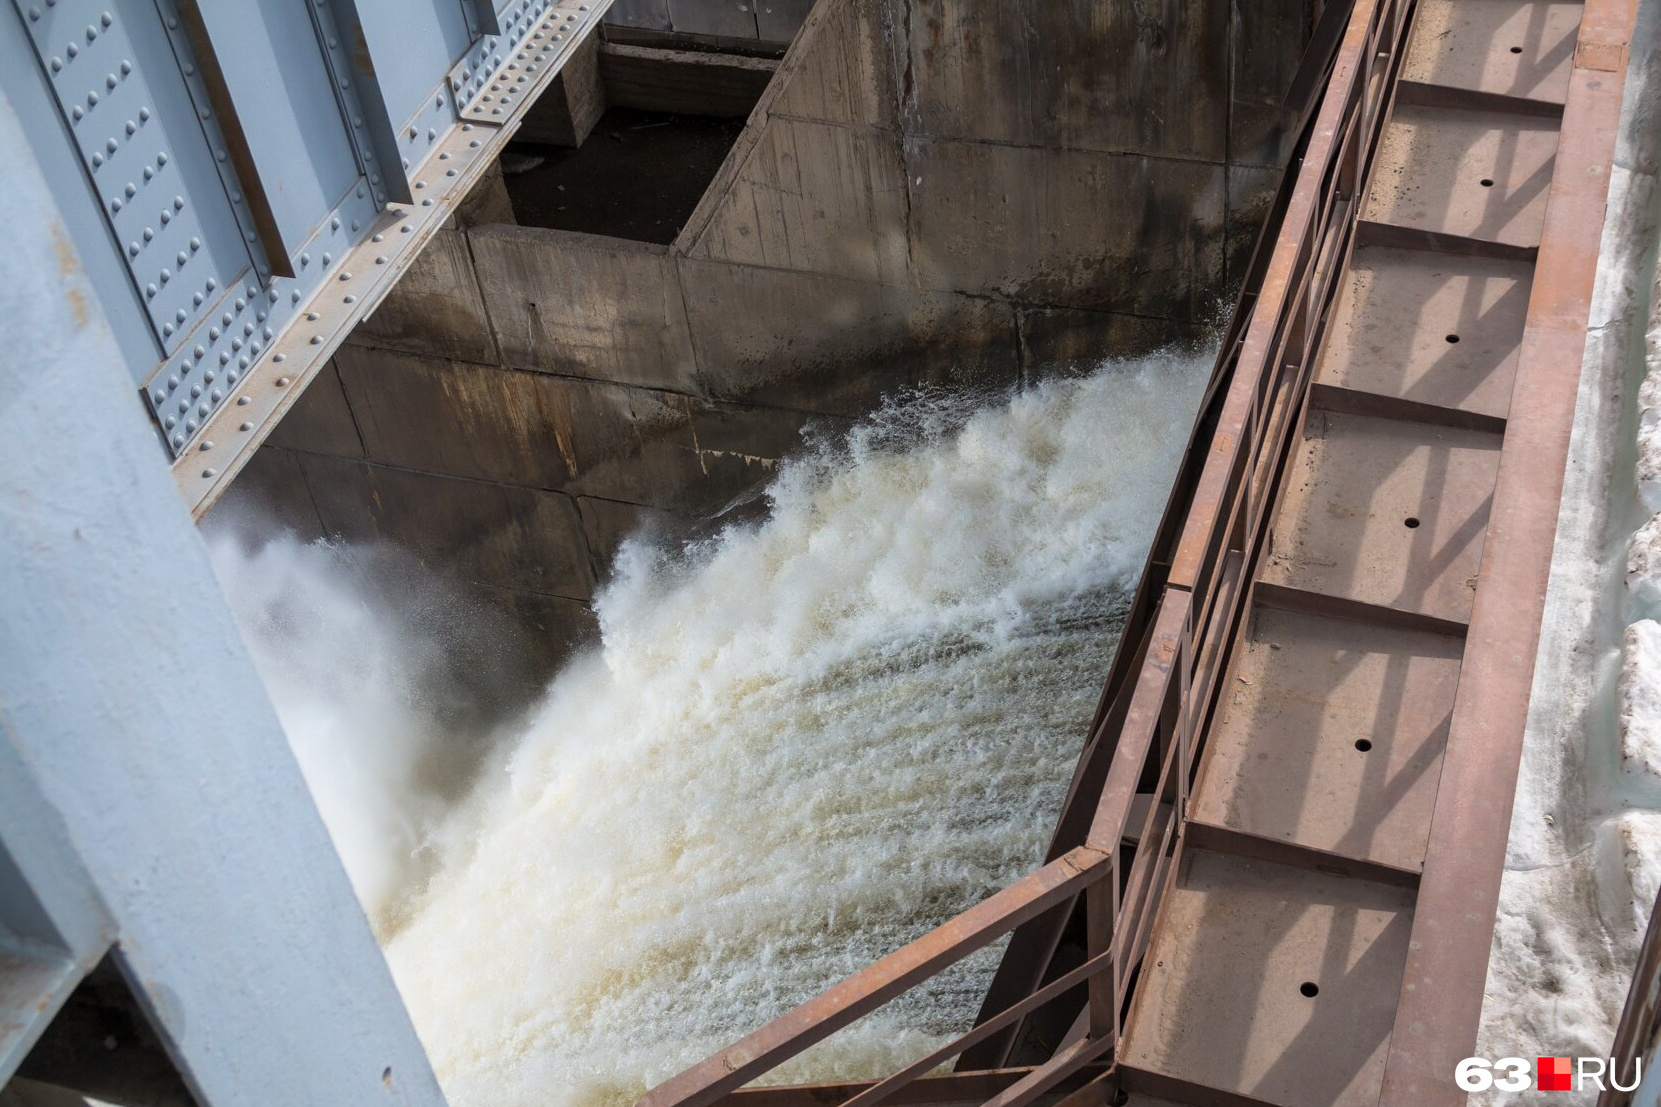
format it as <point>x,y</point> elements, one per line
<point>798,745</point>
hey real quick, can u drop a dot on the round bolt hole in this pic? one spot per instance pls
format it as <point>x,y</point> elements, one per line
<point>1516,49</point>
<point>1120,1098</point>
<point>1452,338</point>
<point>1411,522</point>
<point>1363,744</point>
<point>1309,989</point>
<point>1486,183</point>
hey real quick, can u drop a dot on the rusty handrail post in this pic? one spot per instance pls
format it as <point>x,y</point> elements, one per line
<point>1639,1030</point>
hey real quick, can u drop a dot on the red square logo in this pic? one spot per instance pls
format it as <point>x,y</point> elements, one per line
<point>1552,1074</point>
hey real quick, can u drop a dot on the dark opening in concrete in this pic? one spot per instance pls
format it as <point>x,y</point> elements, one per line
<point>638,175</point>
<point>628,139</point>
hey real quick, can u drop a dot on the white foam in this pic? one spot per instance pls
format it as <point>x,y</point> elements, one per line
<point>799,745</point>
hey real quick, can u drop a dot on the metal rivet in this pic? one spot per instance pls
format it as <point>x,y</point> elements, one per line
<point>243,401</point>
<point>283,382</point>
<point>205,447</point>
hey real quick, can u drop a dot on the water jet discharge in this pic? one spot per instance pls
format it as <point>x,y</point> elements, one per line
<point>1271,719</point>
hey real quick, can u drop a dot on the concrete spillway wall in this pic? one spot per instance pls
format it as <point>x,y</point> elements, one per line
<point>975,191</point>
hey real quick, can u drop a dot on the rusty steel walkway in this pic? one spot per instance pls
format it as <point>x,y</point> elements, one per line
<point>1275,876</point>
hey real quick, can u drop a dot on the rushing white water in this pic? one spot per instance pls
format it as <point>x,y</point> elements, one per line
<point>799,744</point>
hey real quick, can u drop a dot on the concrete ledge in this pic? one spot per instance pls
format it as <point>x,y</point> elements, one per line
<point>686,81</point>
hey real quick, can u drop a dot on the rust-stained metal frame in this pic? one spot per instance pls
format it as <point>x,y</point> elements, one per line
<point>1447,963</point>
<point>1155,722</point>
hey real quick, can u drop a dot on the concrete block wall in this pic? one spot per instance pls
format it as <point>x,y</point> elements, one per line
<point>930,191</point>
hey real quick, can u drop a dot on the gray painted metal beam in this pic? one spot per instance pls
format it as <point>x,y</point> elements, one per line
<point>226,167</point>
<point>147,794</point>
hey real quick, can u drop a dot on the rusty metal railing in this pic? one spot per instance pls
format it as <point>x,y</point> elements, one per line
<point>1154,724</point>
